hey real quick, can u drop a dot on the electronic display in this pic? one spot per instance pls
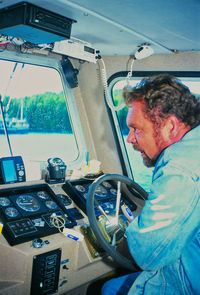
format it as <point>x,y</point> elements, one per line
<point>12,170</point>
<point>9,171</point>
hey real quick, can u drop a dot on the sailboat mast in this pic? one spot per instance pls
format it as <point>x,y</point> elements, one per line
<point>22,108</point>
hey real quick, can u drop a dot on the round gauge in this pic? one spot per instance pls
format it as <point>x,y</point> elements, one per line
<point>80,188</point>
<point>11,212</point>
<point>28,203</point>
<point>113,191</point>
<point>66,201</point>
<point>100,191</point>
<point>106,184</point>
<point>43,195</point>
<point>4,202</point>
<point>51,204</point>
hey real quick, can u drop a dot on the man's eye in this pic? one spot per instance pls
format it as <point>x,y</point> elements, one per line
<point>137,130</point>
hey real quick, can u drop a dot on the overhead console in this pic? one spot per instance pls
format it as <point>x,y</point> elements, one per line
<point>34,24</point>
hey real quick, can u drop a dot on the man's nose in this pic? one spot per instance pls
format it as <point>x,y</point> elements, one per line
<point>131,137</point>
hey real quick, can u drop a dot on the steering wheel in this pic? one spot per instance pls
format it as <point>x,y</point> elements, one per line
<point>109,229</point>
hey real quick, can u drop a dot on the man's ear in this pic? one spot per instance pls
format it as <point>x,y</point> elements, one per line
<point>171,128</point>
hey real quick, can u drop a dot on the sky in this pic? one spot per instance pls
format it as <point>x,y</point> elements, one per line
<point>28,80</point>
<point>194,85</point>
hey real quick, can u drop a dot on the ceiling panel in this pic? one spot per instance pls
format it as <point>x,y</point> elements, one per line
<point>117,27</point>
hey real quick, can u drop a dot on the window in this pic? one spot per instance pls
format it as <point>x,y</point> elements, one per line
<point>133,160</point>
<point>37,117</point>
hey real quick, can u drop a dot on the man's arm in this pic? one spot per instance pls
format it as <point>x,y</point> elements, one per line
<point>167,221</point>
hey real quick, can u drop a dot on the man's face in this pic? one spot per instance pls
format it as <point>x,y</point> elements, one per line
<point>142,134</point>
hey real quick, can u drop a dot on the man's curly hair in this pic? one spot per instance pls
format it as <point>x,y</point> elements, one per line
<point>165,95</point>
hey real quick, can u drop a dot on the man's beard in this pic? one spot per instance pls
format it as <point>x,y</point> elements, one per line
<point>159,141</point>
<point>148,162</point>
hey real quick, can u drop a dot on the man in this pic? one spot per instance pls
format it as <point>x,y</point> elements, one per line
<point>164,239</point>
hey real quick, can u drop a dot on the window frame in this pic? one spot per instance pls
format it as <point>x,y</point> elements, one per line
<point>54,63</point>
<point>119,76</point>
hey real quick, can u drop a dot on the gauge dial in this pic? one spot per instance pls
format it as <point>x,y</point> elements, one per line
<point>64,199</point>
<point>51,204</point>
<point>106,184</point>
<point>80,188</point>
<point>4,202</point>
<point>28,203</point>
<point>11,212</point>
<point>43,195</point>
<point>113,191</point>
<point>100,191</point>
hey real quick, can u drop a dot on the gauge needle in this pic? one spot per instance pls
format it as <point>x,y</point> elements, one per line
<point>102,211</point>
<point>27,203</point>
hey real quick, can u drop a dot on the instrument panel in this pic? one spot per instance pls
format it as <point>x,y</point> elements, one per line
<point>26,212</point>
<point>105,194</point>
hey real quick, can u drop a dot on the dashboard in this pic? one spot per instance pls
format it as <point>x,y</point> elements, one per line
<point>36,257</point>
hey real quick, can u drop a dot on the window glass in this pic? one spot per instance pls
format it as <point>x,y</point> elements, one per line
<point>36,114</point>
<point>141,174</point>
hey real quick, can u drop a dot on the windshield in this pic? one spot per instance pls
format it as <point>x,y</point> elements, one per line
<point>36,116</point>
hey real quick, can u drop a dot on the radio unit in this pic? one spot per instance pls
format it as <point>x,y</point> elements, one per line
<point>34,24</point>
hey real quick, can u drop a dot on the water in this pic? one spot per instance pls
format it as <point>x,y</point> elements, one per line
<point>36,148</point>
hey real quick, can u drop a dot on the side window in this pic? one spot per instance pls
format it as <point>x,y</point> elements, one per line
<point>36,114</point>
<point>133,160</point>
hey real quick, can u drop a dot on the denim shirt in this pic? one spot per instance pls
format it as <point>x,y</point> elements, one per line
<point>164,239</point>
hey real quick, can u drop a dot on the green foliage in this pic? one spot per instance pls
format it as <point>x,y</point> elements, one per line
<point>44,112</point>
<point>121,114</point>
